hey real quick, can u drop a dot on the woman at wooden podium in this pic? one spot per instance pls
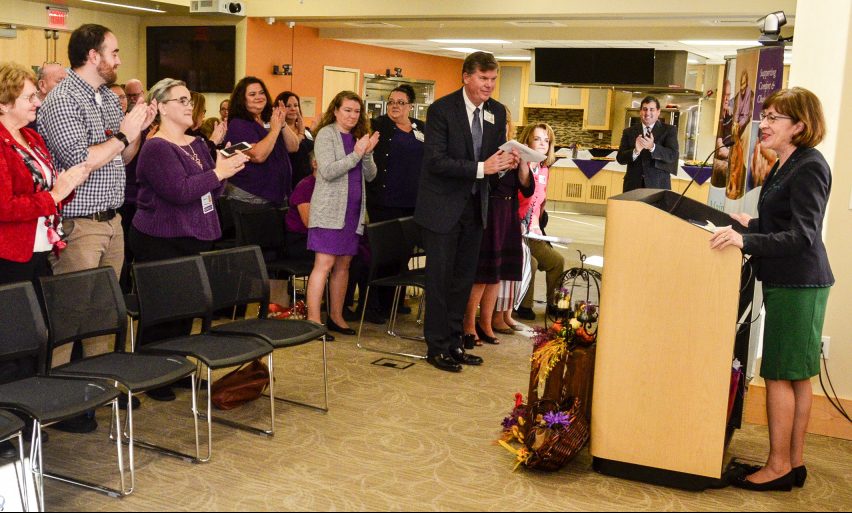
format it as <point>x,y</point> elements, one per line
<point>789,257</point>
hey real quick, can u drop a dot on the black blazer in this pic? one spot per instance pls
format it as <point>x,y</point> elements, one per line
<point>662,160</point>
<point>449,169</point>
<point>785,239</point>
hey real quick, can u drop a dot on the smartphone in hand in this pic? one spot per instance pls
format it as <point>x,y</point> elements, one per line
<point>231,150</point>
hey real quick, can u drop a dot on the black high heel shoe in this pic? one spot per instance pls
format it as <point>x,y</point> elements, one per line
<point>782,484</point>
<point>332,326</point>
<point>469,341</point>
<point>800,474</point>
<point>483,337</point>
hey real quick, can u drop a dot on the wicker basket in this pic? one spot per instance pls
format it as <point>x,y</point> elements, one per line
<point>552,448</point>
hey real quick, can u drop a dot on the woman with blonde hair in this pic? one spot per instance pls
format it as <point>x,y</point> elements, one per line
<point>543,257</point>
<point>344,155</point>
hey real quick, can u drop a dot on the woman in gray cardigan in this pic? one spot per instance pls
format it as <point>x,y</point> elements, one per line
<point>344,154</point>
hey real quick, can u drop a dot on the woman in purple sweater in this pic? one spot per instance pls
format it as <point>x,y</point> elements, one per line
<point>178,182</point>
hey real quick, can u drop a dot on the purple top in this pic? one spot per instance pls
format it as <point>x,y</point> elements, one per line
<point>301,194</point>
<point>269,180</point>
<point>175,192</point>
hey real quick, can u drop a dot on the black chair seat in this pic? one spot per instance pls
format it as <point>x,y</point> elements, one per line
<point>293,267</point>
<point>278,333</point>
<point>9,425</point>
<point>413,278</point>
<point>53,399</point>
<point>215,351</point>
<point>138,372</point>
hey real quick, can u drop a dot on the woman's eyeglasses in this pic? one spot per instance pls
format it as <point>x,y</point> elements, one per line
<point>183,100</point>
<point>399,103</point>
<point>772,118</point>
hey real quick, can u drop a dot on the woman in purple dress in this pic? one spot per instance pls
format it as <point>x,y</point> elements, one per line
<point>252,119</point>
<point>344,155</point>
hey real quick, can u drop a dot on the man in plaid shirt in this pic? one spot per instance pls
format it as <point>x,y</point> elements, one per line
<point>82,120</point>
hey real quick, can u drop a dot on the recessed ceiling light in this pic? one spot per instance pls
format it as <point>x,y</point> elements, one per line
<point>471,41</point>
<point>147,9</point>
<point>719,42</point>
<point>462,49</point>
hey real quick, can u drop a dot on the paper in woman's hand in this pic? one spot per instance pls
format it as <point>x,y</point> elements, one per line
<point>528,154</point>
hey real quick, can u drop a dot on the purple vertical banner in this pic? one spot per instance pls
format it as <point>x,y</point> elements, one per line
<point>770,71</point>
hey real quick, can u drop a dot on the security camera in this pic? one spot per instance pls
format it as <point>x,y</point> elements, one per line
<point>770,29</point>
<point>235,7</point>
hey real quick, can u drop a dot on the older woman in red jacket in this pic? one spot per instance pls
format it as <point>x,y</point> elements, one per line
<point>31,190</point>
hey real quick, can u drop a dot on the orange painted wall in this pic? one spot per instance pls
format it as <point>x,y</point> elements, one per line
<point>267,45</point>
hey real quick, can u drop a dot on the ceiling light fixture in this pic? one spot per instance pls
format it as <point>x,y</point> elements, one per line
<point>464,50</point>
<point>111,4</point>
<point>718,42</point>
<point>471,41</point>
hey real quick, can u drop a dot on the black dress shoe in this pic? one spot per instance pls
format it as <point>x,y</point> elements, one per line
<point>483,337</point>
<point>122,402</point>
<point>334,327</point>
<point>525,313</point>
<point>187,383</point>
<point>444,363</point>
<point>163,394</point>
<point>469,341</point>
<point>782,484</point>
<point>79,424</point>
<point>460,356</point>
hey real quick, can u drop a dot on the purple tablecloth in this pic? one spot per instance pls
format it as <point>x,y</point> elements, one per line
<point>590,167</point>
<point>700,174</point>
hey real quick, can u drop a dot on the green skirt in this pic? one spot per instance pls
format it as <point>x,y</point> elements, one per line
<point>792,334</point>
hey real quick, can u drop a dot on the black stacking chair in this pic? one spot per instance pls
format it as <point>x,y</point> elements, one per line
<point>264,226</point>
<point>89,303</point>
<point>226,222</point>
<point>178,289</point>
<point>11,427</point>
<point>414,237</point>
<point>389,255</point>
<point>238,277</point>
<point>46,399</point>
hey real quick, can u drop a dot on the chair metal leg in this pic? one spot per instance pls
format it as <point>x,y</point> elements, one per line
<point>85,484</point>
<point>239,425</point>
<point>393,314</point>
<point>20,475</point>
<point>324,408</point>
<point>37,464</point>
<point>130,439</point>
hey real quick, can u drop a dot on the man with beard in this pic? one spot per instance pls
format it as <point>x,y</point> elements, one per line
<point>82,121</point>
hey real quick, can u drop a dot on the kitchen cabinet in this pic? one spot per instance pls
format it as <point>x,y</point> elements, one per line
<point>597,104</point>
<point>550,97</point>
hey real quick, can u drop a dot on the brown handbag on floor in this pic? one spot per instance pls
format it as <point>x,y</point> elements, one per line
<point>240,386</point>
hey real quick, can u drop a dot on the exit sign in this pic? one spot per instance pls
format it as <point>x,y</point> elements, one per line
<point>56,16</point>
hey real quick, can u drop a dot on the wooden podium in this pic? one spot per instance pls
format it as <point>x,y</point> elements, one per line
<point>666,331</point>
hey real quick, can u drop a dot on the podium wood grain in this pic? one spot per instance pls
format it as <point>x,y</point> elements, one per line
<point>665,343</point>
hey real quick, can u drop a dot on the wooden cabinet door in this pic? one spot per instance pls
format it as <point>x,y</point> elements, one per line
<point>539,96</point>
<point>509,91</point>
<point>596,104</point>
<point>569,98</point>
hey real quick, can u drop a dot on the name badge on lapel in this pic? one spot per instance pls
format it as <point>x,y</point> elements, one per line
<point>488,116</point>
<point>207,203</point>
<point>420,136</point>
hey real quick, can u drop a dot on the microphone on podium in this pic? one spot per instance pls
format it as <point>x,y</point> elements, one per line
<point>727,142</point>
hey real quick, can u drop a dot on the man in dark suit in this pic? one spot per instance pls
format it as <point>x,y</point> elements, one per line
<point>649,150</point>
<point>464,132</point>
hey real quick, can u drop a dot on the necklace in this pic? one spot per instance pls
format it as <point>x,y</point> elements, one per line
<point>193,155</point>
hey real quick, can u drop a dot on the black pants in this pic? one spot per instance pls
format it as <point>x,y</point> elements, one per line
<point>127,211</point>
<point>150,249</point>
<point>450,270</point>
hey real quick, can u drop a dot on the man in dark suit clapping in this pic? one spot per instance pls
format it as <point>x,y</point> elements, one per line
<point>649,150</point>
<point>464,132</point>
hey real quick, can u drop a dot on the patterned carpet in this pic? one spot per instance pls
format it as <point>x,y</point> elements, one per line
<point>414,439</point>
